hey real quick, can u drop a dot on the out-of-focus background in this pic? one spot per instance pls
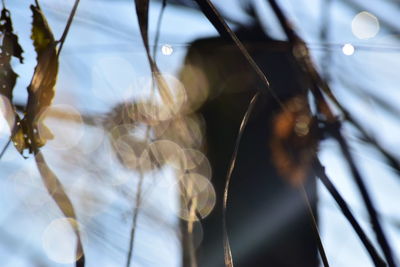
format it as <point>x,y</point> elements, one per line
<point>103,66</point>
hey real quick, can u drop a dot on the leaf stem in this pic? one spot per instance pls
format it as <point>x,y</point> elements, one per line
<point>136,209</point>
<point>159,21</point>
<point>224,30</point>
<point>67,26</point>
<point>227,248</point>
<point>134,219</point>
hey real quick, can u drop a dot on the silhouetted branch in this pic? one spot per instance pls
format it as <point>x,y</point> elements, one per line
<point>382,240</point>
<point>138,203</point>
<point>225,31</point>
<point>301,54</point>
<point>320,172</point>
<point>67,26</point>
<point>315,228</point>
<point>159,21</point>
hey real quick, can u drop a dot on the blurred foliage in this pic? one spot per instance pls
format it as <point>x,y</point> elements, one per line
<point>163,129</point>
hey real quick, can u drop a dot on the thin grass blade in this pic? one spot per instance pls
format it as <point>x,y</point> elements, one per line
<point>227,249</point>
<point>225,31</point>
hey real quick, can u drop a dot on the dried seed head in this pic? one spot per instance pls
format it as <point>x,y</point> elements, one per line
<point>293,144</point>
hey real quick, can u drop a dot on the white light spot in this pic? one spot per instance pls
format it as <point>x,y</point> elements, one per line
<point>59,241</point>
<point>167,50</point>
<point>365,25</point>
<point>348,49</point>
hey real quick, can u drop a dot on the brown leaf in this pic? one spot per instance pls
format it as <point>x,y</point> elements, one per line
<point>10,48</point>
<point>57,192</point>
<point>41,89</point>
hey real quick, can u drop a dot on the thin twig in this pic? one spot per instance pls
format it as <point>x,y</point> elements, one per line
<point>315,228</point>
<point>324,35</point>
<point>380,235</point>
<point>136,209</point>
<point>302,56</point>
<point>192,217</point>
<point>159,21</point>
<point>390,159</point>
<point>189,255</point>
<point>142,10</point>
<point>225,31</point>
<point>67,27</point>
<point>299,49</point>
<point>134,219</point>
<point>320,172</point>
<point>5,148</point>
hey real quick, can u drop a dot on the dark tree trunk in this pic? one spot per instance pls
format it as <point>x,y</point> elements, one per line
<point>268,221</point>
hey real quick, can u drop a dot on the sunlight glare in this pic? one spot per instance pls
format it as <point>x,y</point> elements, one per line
<point>348,49</point>
<point>167,50</point>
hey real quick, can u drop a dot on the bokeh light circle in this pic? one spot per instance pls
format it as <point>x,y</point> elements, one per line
<point>187,131</point>
<point>165,101</point>
<point>196,194</point>
<point>59,240</point>
<point>29,188</point>
<point>89,195</point>
<point>348,49</point>
<point>163,152</point>
<point>61,125</point>
<point>167,50</point>
<point>197,87</point>
<point>197,162</point>
<point>365,25</point>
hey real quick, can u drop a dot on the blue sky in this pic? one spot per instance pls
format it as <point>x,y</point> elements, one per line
<point>104,56</point>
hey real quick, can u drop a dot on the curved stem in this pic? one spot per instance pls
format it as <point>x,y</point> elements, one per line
<point>227,248</point>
